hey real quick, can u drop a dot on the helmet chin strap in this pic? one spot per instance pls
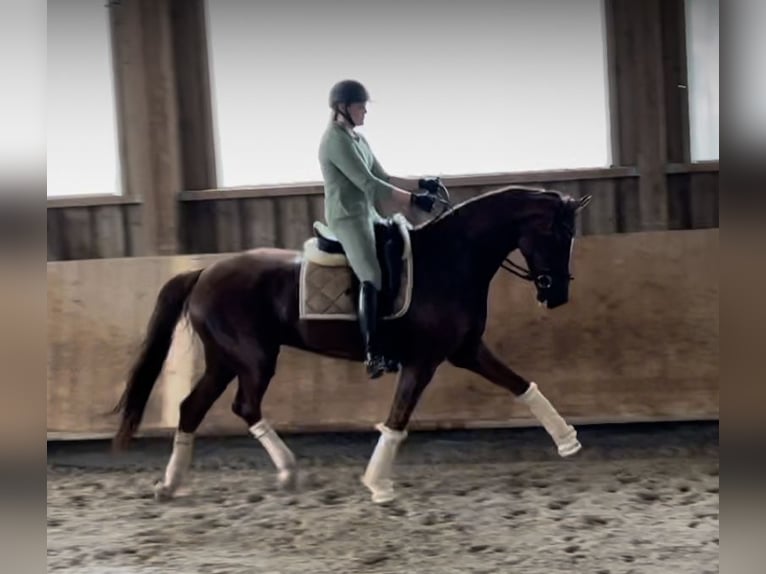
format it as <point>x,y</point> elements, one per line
<point>346,116</point>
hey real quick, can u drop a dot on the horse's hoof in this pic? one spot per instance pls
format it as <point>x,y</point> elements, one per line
<point>382,491</point>
<point>162,493</point>
<point>383,497</point>
<point>569,448</point>
<point>287,479</point>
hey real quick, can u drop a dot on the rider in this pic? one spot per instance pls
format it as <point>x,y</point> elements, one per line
<point>353,181</point>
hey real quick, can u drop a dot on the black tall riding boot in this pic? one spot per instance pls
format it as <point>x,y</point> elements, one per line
<point>368,323</point>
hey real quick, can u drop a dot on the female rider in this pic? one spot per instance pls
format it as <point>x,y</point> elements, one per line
<point>353,181</point>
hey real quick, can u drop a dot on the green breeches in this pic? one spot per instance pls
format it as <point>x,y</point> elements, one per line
<point>358,239</point>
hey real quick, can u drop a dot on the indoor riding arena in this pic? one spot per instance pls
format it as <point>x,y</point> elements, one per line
<point>184,132</point>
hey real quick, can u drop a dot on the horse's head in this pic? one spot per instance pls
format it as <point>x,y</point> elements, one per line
<point>546,241</point>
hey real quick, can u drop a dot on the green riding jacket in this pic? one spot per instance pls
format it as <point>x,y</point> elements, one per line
<point>353,178</point>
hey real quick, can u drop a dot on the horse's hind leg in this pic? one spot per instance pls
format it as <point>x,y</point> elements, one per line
<point>482,361</point>
<point>377,476</point>
<point>256,367</point>
<point>192,410</point>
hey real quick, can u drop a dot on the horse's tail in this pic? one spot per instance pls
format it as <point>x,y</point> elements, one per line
<point>171,302</point>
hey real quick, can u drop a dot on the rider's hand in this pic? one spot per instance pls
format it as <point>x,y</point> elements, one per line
<point>430,184</point>
<point>424,201</point>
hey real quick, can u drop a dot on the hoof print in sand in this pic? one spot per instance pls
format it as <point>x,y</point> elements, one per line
<point>590,521</point>
<point>647,496</point>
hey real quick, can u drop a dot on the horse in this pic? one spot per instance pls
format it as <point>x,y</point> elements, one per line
<point>245,307</point>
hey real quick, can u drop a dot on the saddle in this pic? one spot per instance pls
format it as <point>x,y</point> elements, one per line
<point>323,252</point>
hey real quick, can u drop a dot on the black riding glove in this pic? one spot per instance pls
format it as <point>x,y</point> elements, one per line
<point>424,201</point>
<point>430,184</point>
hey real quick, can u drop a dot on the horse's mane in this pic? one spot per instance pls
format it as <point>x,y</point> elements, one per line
<point>453,211</point>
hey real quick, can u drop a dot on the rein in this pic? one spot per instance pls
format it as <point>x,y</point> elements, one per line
<point>542,281</point>
<point>516,269</point>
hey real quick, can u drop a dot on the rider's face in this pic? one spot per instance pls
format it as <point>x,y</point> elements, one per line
<point>357,111</point>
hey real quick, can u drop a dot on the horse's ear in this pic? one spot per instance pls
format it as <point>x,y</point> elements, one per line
<point>582,203</point>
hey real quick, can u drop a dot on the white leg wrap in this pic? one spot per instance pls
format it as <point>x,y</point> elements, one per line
<point>377,477</point>
<point>563,434</point>
<point>282,456</point>
<point>178,466</point>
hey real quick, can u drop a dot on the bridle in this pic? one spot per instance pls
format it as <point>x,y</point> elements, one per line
<point>541,280</point>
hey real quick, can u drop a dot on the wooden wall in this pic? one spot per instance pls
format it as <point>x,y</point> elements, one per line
<point>637,342</point>
<point>224,221</point>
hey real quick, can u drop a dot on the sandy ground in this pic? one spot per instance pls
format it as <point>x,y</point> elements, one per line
<point>640,499</point>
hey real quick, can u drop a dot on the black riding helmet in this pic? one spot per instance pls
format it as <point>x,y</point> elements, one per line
<point>347,92</point>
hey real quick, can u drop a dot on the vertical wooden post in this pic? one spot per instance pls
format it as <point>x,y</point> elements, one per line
<point>130,90</point>
<point>675,70</point>
<point>649,114</point>
<point>146,88</point>
<point>195,111</point>
<point>161,209</point>
<point>652,148</point>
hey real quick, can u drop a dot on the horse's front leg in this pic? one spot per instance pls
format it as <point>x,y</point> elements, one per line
<point>482,361</point>
<point>377,477</point>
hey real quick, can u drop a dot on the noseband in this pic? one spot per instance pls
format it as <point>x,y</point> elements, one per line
<point>541,280</point>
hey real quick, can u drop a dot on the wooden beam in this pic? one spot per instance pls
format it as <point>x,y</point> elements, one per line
<point>195,114</point>
<point>90,201</point>
<point>697,167</point>
<point>491,180</point>
<point>638,36</point>
<point>130,90</point>
<point>614,79</point>
<point>652,148</point>
<point>621,60</point>
<point>161,209</point>
<point>673,20</point>
<point>148,118</point>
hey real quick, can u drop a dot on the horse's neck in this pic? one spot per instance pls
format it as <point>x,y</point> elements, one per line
<point>487,228</point>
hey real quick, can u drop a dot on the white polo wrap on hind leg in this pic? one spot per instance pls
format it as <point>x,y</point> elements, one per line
<point>280,454</point>
<point>377,477</point>
<point>178,466</point>
<point>563,434</point>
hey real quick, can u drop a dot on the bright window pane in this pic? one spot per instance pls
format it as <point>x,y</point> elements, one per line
<point>457,87</point>
<point>81,120</point>
<point>702,56</point>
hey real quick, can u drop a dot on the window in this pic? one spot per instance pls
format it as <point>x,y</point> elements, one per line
<point>81,122</point>
<point>457,88</point>
<point>702,56</point>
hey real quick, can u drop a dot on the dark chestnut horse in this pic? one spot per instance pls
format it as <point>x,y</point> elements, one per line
<point>244,308</point>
